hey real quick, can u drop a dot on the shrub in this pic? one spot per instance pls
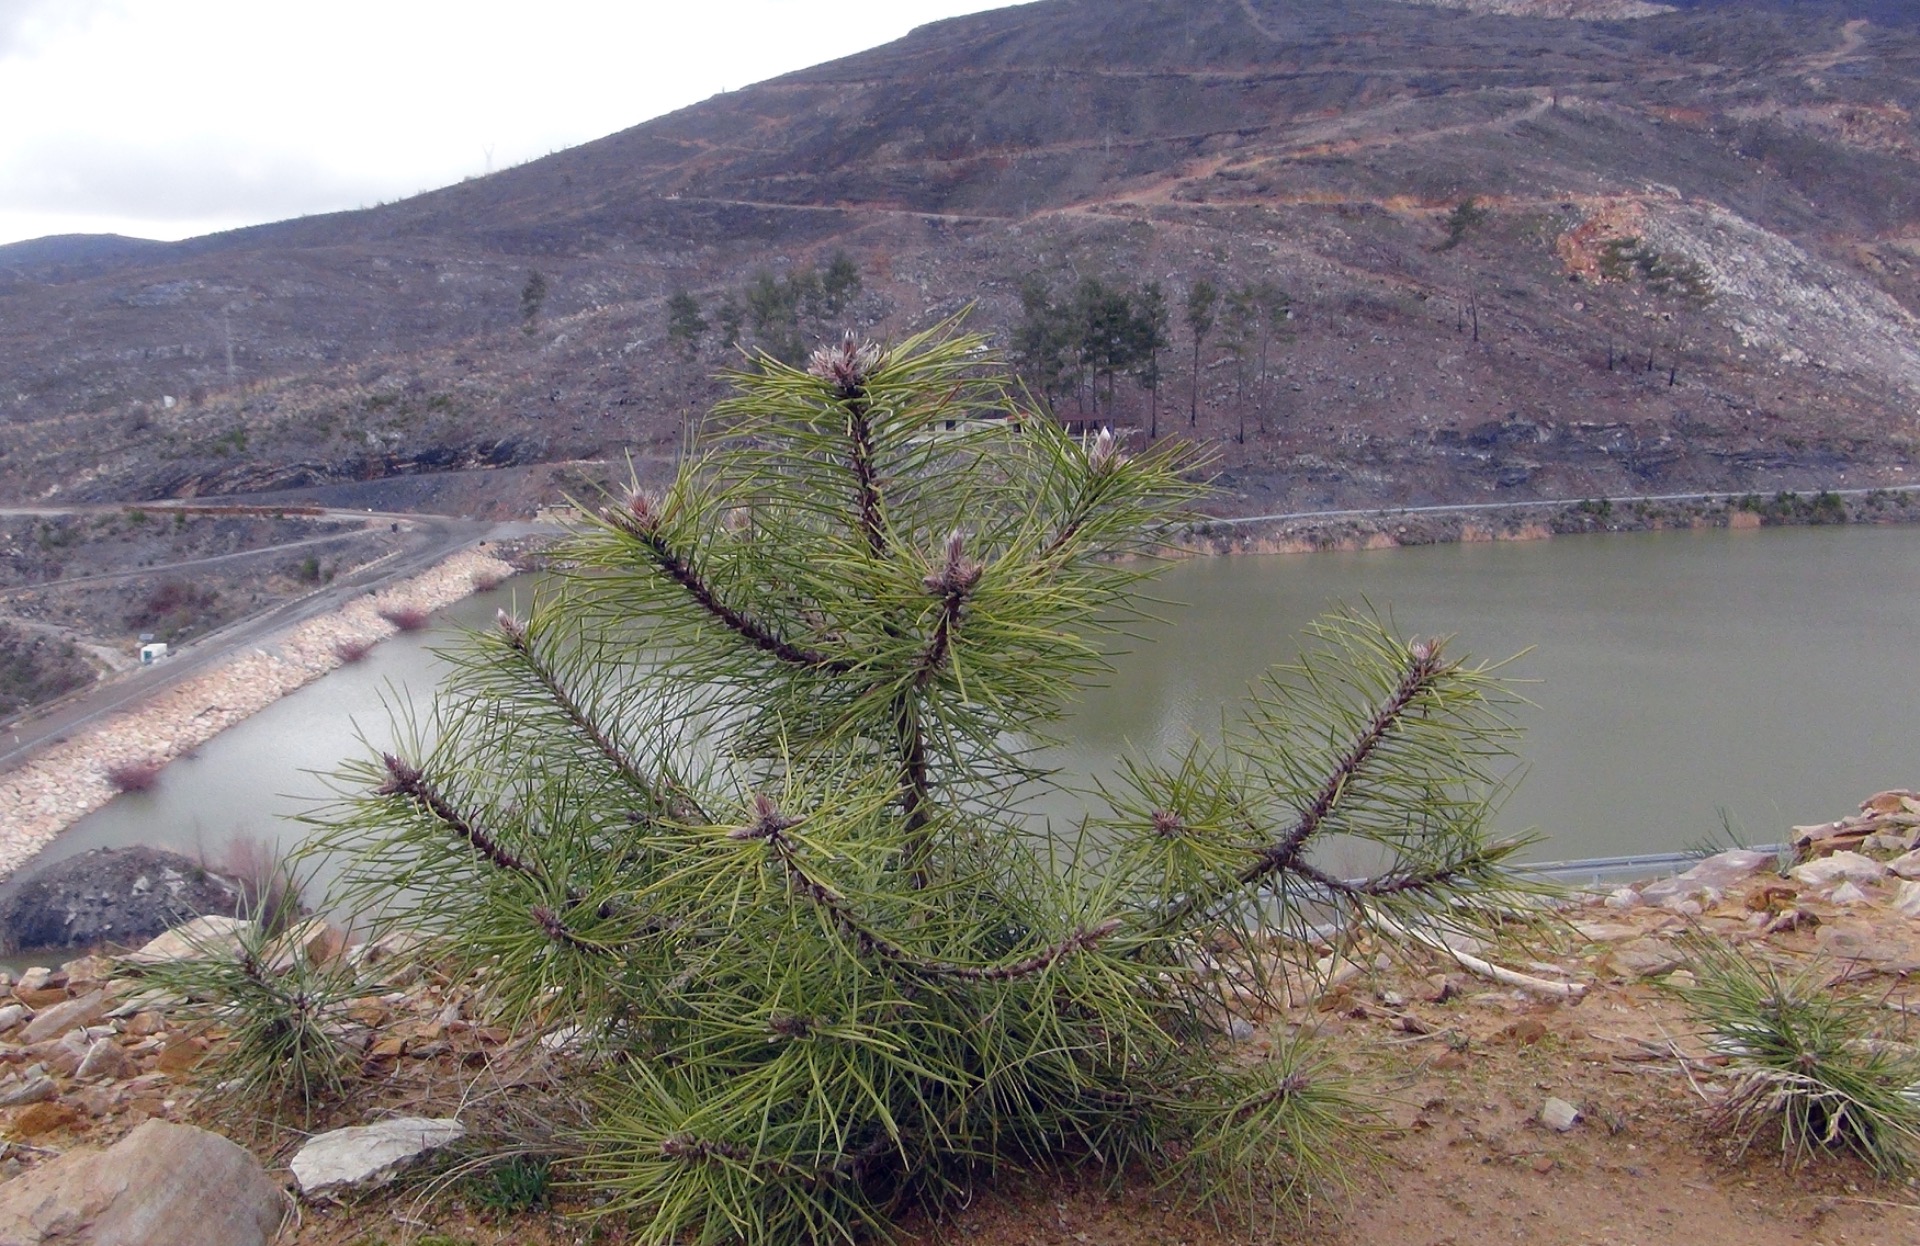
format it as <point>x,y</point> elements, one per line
<point>406,618</point>
<point>281,1016</point>
<point>1806,1062</point>
<point>135,776</point>
<point>742,804</point>
<point>351,651</point>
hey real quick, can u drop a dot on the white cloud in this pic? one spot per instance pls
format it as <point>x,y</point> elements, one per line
<point>178,116</point>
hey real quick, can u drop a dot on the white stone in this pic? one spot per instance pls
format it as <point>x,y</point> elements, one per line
<point>1623,899</point>
<point>1846,895</point>
<point>369,1154</point>
<point>1906,899</point>
<point>12,1015</point>
<point>202,938</point>
<point>1559,1115</point>
<point>1907,866</point>
<point>1848,867</point>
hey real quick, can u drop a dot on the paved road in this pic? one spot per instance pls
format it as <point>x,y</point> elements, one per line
<point>1555,503</point>
<point>426,540</point>
<point>107,577</point>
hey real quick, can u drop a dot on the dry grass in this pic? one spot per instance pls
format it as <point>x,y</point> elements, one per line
<point>407,618</point>
<point>135,776</point>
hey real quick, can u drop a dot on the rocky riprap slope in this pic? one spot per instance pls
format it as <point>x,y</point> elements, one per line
<point>1767,150</point>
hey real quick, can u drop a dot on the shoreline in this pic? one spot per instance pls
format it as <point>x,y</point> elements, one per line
<point>1388,528</point>
<point>66,781</point>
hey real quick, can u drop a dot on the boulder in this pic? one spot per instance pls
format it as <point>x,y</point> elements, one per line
<point>1644,958</point>
<point>332,1163</point>
<point>313,942</point>
<point>57,1020</point>
<point>112,895</point>
<point>161,1185</point>
<point>214,935</point>
<point>1841,867</point>
<point>1710,879</point>
<point>105,1059</point>
<point>1846,895</point>
<point>32,1088</point>
<point>1906,899</point>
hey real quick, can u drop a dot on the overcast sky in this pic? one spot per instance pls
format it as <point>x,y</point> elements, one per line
<point>170,118</point>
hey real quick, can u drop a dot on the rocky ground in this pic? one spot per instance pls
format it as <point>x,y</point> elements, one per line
<point>1549,1093</point>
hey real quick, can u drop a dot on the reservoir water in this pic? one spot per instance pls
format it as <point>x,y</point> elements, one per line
<point>1771,675</point>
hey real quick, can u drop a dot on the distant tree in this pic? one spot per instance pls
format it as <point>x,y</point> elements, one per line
<point>1466,215</point>
<point>1239,332</point>
<point>1043,343</point>
<point>773,309</point>
<point>784,310</point>
<point>533,296</point>
<point>1150,337</point>
<point>685,324</point>
<point>1202,297</point>
<point>732,321</point>
<point>839,283</point>
<point>1273,314</point>
<point>1103,320</point>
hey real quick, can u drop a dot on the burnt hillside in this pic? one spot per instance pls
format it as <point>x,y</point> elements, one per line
<point>1325,147</point>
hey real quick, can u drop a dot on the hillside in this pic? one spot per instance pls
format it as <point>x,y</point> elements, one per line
<point>1533,345</point>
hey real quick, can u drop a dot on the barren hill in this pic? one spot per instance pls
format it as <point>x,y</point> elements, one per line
<point>1688,258</point>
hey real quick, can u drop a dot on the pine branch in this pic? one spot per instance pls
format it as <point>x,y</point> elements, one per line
<point>681,804</point>
<point>555,927</point>
<point>1390,885</point>
<point>639,521</point>
<point>771,827</point>
<point>1284,855</point>
<point>847,369</point>
<point>405,779</point>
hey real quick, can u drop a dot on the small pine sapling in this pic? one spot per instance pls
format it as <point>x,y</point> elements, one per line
<point>743,804</point>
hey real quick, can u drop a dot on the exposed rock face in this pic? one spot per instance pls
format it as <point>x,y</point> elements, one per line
<point>112,895</point>
<point>134,1194</point>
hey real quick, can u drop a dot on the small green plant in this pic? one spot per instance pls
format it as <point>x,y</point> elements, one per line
<point>741,806</point>
<point>522,1183</point>
<point>275,1010</point>
<point>1808,1063</point>
<point>1466,215</point>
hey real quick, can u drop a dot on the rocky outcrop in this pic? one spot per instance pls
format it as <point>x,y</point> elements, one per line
<point>161,1185</point>
<point>113,895</point>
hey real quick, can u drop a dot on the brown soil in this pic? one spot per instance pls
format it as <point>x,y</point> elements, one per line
<point>1462,1069</point>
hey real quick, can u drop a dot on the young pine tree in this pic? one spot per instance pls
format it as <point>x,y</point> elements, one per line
<point>743,800</point>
